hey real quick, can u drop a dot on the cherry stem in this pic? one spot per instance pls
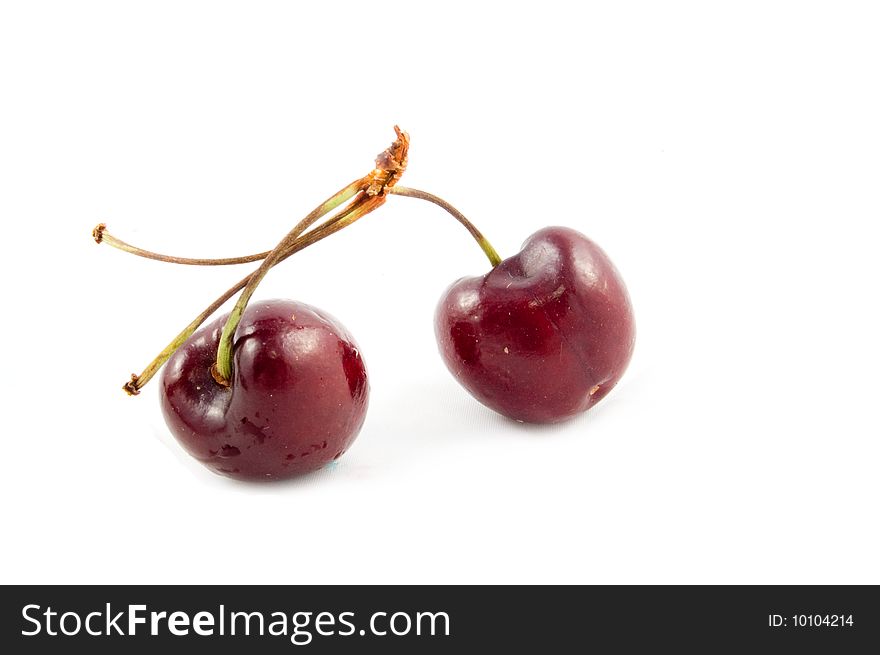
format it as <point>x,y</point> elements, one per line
<point>368,193</point>
<point>101,235</point>
<point>491,253</point>
<point>222,370</point>
<point>331,226</point>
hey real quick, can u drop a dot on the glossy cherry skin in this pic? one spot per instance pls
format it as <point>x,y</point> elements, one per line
<point>298,396</point>
<point>543,336</point>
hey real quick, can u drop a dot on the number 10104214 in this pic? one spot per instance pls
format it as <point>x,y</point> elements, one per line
<point>810,621</point>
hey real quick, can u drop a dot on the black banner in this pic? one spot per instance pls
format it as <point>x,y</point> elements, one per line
<point>290,619</point>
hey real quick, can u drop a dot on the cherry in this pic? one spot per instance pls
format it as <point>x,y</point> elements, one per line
<point>545,335</point>
<point>297,399</point>
<point>277,389</point>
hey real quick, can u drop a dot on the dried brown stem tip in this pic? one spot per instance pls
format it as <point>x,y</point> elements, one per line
<point>131,387</point>
<point>390,165</point>
<point>98,232</point>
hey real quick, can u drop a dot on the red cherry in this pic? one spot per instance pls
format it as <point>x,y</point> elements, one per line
<point>297,400</point>
<point>543,336</point>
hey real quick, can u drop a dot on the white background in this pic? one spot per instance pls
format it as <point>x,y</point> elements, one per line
<point>727,157</point>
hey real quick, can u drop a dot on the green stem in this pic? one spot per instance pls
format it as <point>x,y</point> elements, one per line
<point>331,226</point>
<point>222,370</point>
<point>487,248</point>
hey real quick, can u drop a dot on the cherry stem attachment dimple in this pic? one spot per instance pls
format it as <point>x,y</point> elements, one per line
<point>484,244</point>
